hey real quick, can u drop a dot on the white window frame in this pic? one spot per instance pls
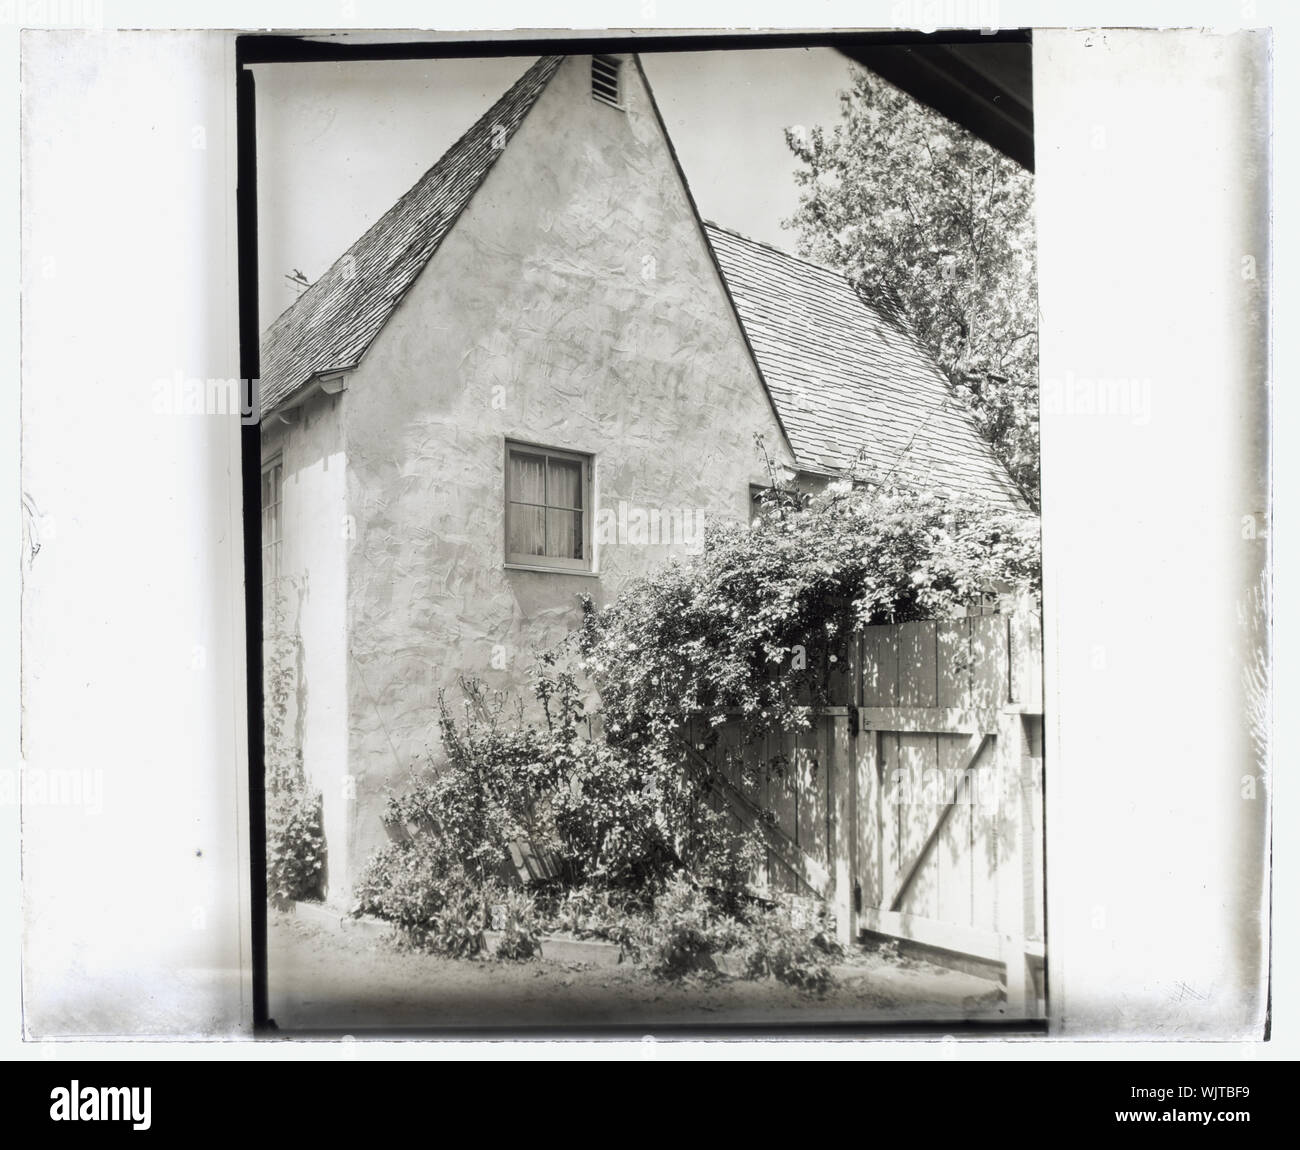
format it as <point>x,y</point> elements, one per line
<point>520,561</point>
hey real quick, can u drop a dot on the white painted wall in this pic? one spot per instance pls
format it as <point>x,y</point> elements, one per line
<point>317,536</point>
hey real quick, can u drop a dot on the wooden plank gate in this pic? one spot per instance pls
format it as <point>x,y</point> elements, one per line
<point>914,807</point>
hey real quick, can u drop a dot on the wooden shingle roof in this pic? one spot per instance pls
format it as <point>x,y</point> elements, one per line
<point>849,378</point>
<point>330,326</point>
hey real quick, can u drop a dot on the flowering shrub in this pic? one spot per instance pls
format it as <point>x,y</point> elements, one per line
<point>759,622</point>
<point>620,817</point>
<point>493,787</point>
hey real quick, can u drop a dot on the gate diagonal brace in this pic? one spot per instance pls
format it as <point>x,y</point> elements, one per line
<point>974,748</point>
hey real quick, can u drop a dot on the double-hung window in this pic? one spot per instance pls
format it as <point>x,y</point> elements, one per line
<point>548,497</point>
<point>272,536</point>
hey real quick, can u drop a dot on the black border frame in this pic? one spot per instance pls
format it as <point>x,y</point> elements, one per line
<point>316,47</point>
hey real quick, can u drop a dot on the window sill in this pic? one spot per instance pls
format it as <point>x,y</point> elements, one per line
<point>552,570</point>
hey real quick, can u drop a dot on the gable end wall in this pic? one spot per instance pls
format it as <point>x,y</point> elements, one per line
<point>574,305</point>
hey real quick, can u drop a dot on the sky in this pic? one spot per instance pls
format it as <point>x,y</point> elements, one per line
<point>338,143</point>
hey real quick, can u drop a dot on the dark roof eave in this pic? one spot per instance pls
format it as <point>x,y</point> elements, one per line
<point>319,383</point>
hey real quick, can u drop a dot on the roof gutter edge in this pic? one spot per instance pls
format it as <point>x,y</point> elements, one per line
<point>331,382</point>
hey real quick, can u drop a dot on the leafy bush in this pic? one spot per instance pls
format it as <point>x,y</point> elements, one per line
<point>492,788</point>
<point>687,928</point>
<point>771,945</point>
<point>458,925</point>
<point>599,913</point>
<point>677,937</point>
<point>520,926</point>
<point>400,884</point>
<point>620,817</point>
<point>729,932</point>
<point>588,912</point>
<point>295,844</point>
<point>434,906</point>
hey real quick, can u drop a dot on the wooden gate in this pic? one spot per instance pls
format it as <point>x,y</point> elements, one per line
<point>948,838</point>
<point>914,807</point>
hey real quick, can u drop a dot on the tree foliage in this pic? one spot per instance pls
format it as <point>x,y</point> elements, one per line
<point>937,226</point>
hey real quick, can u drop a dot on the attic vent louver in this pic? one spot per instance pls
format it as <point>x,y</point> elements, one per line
<point>605,79</point>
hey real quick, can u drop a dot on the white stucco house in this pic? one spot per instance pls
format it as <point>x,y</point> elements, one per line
<point>533,377</point>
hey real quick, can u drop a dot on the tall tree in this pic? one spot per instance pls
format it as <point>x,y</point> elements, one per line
<point>937,226</point>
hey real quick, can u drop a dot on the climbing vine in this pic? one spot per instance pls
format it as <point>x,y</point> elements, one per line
<point>295,839</point>
<point>758,623</point>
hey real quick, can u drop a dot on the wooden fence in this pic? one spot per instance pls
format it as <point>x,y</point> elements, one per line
<point>915,807</point>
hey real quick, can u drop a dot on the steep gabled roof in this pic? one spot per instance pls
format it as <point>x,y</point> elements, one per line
<point>333,322</point>
<point>848,380</point>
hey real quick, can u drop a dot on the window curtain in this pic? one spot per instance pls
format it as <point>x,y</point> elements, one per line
<point>527,504</point>
<point>545,497</point>
<point>564,504</point>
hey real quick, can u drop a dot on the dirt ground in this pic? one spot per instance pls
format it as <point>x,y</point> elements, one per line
<point>322,979</point>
